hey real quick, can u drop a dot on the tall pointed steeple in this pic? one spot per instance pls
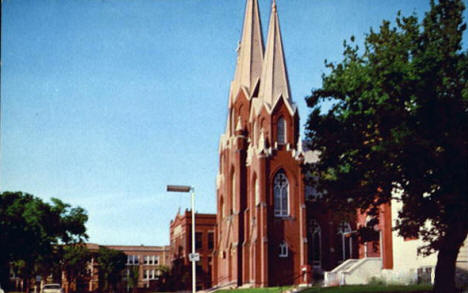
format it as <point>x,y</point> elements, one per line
<point>250,51</point>
<point>274,73</point>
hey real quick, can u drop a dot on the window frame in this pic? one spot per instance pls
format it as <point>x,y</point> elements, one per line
<point>282,196</point>
<point>281,131</point>
<point>284,250</point>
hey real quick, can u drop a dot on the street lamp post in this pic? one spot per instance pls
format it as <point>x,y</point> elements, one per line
<point>193,259</point>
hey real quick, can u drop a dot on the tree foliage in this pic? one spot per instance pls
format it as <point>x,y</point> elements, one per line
<point>398,126</point>
<point>111,265</point>
<point>32,232</point>
<point>74,263</point>
<point>132,277</point>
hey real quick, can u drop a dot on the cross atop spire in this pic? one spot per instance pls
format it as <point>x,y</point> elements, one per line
<point>274,73</point>
<point>250,54</point>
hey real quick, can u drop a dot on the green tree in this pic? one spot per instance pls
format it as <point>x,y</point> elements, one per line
<point>111,265</point>
<point>75,261</point>
<point>132,277</point>
<point>163,281</point>
<point>31,232</point>
<point>398,123</point>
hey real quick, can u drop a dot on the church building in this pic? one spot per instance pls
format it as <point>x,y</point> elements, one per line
<point>270,228</point>
<point>264,236</point>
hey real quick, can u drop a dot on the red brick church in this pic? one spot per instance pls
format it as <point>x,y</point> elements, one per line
<point>270,231</point>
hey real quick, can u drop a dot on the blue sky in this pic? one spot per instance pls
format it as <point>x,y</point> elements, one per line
<point>104,102</point>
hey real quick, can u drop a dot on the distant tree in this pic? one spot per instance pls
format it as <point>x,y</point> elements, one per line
<point>111,265</point>
<point>163,281</point>
<point>132,277</point>
<point>75,261</point>
<point>31,231</point>
<point>398,123</point>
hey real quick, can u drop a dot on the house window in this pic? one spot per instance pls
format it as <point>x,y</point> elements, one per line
<point>315,235</point>
<point>156,259</point>
<point>199,268</point>
<point>280,190</point>
<point>198,240</point>
<point>210,240</point>
<point>145,275</point>
<point>132,259</point>
<point>344,242</point>
<point>281,131</point>
<point>146,260</point>
<point>283,249</point>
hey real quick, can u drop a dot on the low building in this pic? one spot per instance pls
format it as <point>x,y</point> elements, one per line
<point>180,248</point>
<point>148,260</point>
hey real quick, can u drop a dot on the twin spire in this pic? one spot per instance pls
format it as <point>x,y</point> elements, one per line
<point>253,66</point>
<point>250,59</point>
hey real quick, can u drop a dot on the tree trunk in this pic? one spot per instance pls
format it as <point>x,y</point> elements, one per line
<point>27,283</point>
<point>446,260</point>
<point>5,275</point>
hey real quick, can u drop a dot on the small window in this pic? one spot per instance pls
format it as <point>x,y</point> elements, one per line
<point>198,240</point>
<point>145,274</point>
<point>146,260</point>
<point>156,259</point>
<point>283,247</point>
<point>210,240</point>
<point>132,259</point>
<point>281,131</point>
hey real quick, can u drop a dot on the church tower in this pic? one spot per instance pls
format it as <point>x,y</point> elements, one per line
<point>260,194</point>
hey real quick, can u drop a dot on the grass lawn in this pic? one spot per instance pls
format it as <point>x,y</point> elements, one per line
<point>258,290</point>
<point>343,289</point>
<point>373,288</point>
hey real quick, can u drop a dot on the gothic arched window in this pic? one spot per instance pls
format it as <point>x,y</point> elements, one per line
<point>315,239</point>
<point>281,131</point>
<point>344,242</point>
<point>281,198</point>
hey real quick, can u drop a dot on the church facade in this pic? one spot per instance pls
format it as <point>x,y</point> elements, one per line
<point>270,231</point>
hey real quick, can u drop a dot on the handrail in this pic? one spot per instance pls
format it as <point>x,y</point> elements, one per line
<point>343,264</point>
<point>359,263</point>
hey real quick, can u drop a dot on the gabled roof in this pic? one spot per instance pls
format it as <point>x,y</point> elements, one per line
<point>274,79</point>
<point>250,52</point>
